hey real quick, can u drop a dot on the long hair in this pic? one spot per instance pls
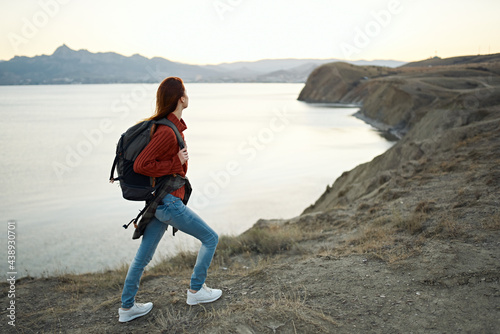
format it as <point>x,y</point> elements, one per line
<point>168,95</point>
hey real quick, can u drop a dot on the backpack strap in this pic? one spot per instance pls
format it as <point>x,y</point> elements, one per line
<point>151,133</point>
<point>171,125</point>
<point>178,135</point>
<point>136,219</point>
<point>111,176</point>
<point>180,141</point>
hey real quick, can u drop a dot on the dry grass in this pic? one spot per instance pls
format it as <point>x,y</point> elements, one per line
<point>425,206</point>
<point>286,310</point>
<point>67,294</point>
<point>382,242</point>
<point>260,241</point>
<point>401,233</point>
<point>493,223</point>
<point>449,227</point>
<point>77,284</point>
<point>175,320</point>
<point>182,261</point>
<point>470,140</point>
<point>414,224</point>
<point>390,237</point>
<point>257,241</point>
<point>372,238</point>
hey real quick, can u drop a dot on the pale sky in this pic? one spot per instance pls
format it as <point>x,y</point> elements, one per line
<point>215,31</point>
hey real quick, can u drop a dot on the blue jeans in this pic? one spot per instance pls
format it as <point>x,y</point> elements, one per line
<point>172,212</point>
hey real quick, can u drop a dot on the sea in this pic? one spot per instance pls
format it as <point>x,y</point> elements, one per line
<point>256,152</point>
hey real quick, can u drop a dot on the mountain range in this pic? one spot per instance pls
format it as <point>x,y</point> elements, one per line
<point>67,66</point>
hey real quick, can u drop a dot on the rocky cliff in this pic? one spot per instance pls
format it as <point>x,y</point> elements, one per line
<point>433,110</point>
<point>396,99</point>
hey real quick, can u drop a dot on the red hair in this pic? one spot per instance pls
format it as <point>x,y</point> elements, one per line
<point>168,95</point>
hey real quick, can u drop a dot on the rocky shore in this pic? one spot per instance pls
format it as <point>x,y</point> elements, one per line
<point>406,243</point>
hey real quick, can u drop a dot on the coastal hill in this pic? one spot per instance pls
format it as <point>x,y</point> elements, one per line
<point>433,109</point>
<point>406,243</point>
<point>395,99</point>
<point>468,60</point>
<point>67,66</point>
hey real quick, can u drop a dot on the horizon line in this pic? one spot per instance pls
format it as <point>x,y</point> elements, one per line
<point>210,64</point>
<point>248,61</point>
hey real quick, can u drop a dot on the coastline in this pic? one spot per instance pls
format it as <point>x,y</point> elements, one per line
<point>231,212</point>
<point>387,131</point>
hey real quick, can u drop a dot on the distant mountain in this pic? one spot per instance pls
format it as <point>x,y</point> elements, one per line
<point>271,65</point>
<point>67,66</point>
<point>284,70</point>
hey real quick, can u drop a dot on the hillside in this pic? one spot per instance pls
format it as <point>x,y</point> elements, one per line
<point>461,60</point>
<point>406,243</point>
<point>396,99</point>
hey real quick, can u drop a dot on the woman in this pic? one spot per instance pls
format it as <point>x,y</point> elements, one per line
<point>162,156</point>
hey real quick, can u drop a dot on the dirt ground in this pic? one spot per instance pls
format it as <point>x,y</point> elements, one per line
<point>448,288</point>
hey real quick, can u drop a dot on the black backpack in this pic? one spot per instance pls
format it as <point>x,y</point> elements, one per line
<point>134,186</point>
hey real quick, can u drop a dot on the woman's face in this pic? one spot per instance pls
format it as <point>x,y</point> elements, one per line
<point>185,100</point>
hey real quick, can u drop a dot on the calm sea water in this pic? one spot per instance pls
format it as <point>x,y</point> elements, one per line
<point>255,152</point>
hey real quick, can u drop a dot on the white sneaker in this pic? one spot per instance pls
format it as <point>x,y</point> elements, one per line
<point>204,295</point>
<point>136,311</point>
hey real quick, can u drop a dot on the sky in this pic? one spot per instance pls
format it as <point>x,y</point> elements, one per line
<point>217,31</point>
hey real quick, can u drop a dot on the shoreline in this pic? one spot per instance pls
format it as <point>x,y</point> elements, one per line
<point>38,266</point>
<point>387,131</point>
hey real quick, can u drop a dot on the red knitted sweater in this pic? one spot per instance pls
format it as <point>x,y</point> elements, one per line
<point>159,157</point>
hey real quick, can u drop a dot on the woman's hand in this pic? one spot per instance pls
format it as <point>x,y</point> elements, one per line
<point>183,155</point>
